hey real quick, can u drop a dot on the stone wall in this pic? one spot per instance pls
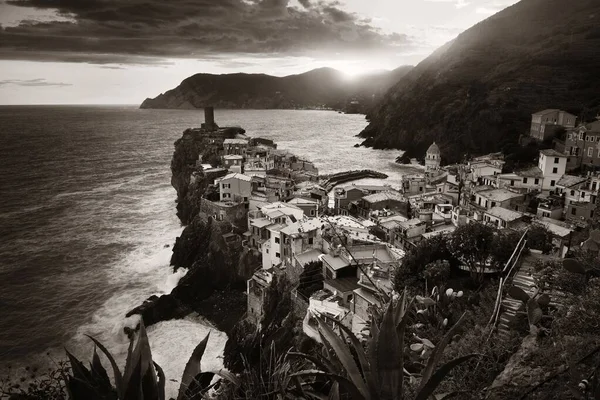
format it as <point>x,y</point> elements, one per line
<point>234,213</point>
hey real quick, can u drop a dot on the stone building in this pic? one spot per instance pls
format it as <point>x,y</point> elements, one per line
<point>433,158</point>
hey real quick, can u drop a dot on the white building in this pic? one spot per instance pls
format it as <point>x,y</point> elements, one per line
<point>553,165</point>
<point>235,187</point>
<point>501,217</point>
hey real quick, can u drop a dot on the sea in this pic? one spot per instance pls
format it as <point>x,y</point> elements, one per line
<point>87,221</point>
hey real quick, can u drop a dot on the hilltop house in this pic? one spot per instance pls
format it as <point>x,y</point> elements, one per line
<point>546,123</point>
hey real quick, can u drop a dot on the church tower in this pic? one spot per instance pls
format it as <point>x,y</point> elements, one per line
<point>433,158</point>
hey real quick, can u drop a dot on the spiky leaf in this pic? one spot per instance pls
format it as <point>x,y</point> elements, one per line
<point>389,356</point>
<point>193,367</point>
<point>425,301</point>
<point>116,372</point>
<point>518,294</point>
<point>438,351</point>
<point>574,266</point>
<point>161,381</point>
<point>360,353</point>
<point>343,354</point>
<point>437,378</point>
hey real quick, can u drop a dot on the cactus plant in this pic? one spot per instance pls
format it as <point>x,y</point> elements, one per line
<point>575,266</point>
<point>532,304</point>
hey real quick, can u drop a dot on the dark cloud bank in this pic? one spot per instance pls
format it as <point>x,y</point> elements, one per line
<point>146,31</point>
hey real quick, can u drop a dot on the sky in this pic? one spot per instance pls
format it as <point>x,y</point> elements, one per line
<point>123,51</point>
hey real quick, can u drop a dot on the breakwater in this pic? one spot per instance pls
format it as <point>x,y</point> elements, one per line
<point>330,181</point>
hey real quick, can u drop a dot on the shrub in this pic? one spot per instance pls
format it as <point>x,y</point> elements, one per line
<point>539,238</point>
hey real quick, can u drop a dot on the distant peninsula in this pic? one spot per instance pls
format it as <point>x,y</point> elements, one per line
<point>323,88</point>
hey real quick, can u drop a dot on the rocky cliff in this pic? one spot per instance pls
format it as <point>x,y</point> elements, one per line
<point>478,92</point>
<point>316,88</point>
<point>217,269</point>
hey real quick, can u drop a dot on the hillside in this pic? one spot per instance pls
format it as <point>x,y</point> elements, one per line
<point>477,92</point>
<point>320,87</point>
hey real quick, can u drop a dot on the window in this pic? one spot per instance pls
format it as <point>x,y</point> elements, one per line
<point>310,240</point>
<point>267,250</point>
<point>555,170</point>
<point>512,183</point>
<point>524,180</point>
<point>312,212</point>
<point>573,211</point>
<point>572,193</point>
<point>592,138</point>
<point>537,181</point>
<point>583,195</point>
<point>277,255</point>
<point>226,186</point>
<point>226,195</point>
<point>590,151</point>
<point>276,240</point>
<point>580,135</point>
<point>556,159</point>
<point>552,183</point>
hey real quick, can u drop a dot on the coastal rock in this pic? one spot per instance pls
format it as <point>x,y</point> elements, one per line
<point>163,308</point>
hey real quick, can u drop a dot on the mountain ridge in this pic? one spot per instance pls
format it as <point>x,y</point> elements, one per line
<point>321,87</point>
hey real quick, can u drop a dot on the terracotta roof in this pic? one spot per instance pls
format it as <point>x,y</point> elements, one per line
<point>570,180</point>
<point>552,153</point>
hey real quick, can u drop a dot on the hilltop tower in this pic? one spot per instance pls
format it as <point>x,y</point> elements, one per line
<point>209,119</point>
<point>433,158</point>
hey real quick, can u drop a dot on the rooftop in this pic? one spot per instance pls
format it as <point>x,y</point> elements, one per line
<point>533,172</point>
<point>556,230</point>
<point>236,175</point>
<point>433,149</point>
<point>235,141</point>
<point>308,256</point>
<point>441,231</point>
<point>411,223</point>
<point>306,225</point>
<point>303,201</point>
<point>504,213</point>
<point>383,196</point>
<point>335,263</point>
<point>546,111</point>
<point>552,153</point>
<point>233,157</point>
<point>260,222</point>
<point>499,195</point>
<point>570,180</point>
<point>343,285</point>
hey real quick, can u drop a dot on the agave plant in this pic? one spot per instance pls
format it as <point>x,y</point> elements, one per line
<point>376,373</point>
<point>533,304</point>
<point>142,379</point>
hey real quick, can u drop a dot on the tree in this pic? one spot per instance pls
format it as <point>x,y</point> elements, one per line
<point>473,244</point>
<point>410,272</point>
<point>540,238</point>
<point>311,278</point>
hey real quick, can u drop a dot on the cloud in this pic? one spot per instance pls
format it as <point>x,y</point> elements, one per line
<point>457,3</point>
<point>147,31</point>
<point>32,82</point>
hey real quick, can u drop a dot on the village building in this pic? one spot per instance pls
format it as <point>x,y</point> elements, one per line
<point>234,163</point>
<point>256,290</point>
<point>235,146</point>
<point>502,218</point>
<point>389,200</point>
<point>581,146</point>
<point>546,123</point>
<point>325,303</point>
<point>413,184</point>
<point>309,206</point>
<point>345,195</point>
<point>408,233</point>
<point>550,207</point>
<point>235,187</point>
<point>490,197</point>
<point>301,242</point>
<point>561,234</point>
<point>553,166</point>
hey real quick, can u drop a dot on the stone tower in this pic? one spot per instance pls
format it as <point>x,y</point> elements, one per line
<point>433,158</point>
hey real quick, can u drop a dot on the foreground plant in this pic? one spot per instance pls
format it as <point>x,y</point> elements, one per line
<point>378,372</point>
<point>142,379</point>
